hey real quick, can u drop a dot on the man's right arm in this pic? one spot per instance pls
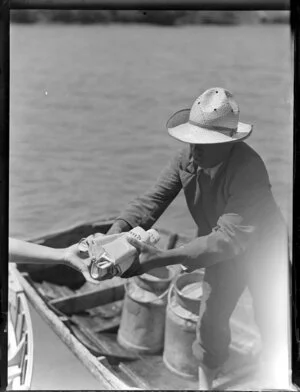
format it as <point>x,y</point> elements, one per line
<point>119,226</point>
<point>146,209</point>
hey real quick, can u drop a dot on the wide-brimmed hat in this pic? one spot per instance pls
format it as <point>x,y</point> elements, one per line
<point>213,118</point>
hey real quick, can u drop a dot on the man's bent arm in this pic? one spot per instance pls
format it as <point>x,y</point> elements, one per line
<point>146,209</point>
<point>225,242</point>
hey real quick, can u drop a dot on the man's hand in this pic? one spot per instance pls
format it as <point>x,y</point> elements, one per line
<point>79,261</point>
<point>147,258</point>
<point>119,226</point>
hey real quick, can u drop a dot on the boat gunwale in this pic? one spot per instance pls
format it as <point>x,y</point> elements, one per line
<point>102,221</point>
<point>51,234</point>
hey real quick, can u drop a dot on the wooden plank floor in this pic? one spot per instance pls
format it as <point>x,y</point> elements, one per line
<point>237,374</point>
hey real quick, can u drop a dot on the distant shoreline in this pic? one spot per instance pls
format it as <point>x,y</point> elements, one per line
<point>163,18</point>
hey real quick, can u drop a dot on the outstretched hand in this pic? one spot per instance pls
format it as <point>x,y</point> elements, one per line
<point>147,256</point>
<point>79,261</point>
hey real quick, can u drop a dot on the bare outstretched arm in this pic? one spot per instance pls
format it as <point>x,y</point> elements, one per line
<point>26,252</point>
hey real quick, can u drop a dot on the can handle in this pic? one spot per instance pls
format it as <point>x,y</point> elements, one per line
<point>161,296</point>
<point>170,293</point>
<point>188,323</point>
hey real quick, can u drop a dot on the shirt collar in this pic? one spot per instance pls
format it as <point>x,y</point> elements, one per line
<point>211,171</point>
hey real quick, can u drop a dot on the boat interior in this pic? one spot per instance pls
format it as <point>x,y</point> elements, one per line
<point>92,313</point>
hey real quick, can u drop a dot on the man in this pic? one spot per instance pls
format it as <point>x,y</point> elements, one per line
<point>241,234</point>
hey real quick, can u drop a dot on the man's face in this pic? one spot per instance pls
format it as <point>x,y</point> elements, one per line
<point>210,155</point>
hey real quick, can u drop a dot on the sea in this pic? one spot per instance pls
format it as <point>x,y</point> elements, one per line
<point>88,112</point>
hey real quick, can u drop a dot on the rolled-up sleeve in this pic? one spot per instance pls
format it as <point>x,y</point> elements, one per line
<point>249,205</point>
<point>147,208</point>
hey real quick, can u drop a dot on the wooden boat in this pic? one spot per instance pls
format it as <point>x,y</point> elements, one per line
<point>20,337</point>
<point>86,317</point>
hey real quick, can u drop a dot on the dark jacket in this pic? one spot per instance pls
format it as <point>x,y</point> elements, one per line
<point>235,214</point>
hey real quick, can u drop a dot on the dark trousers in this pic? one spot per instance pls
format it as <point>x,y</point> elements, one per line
<point>266,277</point>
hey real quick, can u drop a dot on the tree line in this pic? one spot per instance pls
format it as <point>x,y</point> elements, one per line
<point>165,17</point>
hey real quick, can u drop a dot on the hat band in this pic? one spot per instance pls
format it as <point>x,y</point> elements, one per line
<point>226,131</point>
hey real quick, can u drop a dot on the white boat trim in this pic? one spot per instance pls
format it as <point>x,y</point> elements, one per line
<point>20,336</point>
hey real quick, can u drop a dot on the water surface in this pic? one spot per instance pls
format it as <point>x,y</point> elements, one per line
<point>89,106</point>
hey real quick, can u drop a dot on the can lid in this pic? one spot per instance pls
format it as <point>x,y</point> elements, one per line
<point>138,233</point>
<point>153,236</point>
<point>83,245</point>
